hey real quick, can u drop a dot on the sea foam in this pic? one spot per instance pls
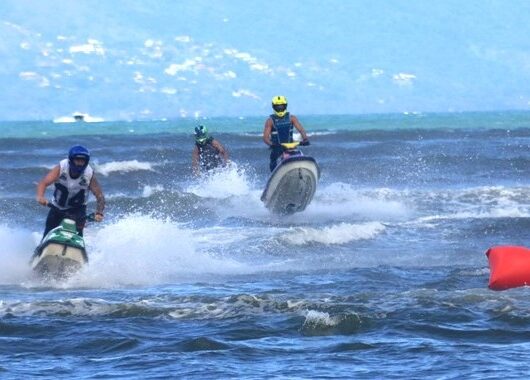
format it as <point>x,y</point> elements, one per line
<point>123,167</point>
<point>140,249</point>
<point>341,233</point>
<point>222,183</point>
<point>16,251</point>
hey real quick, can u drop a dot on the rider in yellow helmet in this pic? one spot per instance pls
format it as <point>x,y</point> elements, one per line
<point>279,129</point>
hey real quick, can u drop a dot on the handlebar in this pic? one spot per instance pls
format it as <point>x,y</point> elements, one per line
<point>89,218</point>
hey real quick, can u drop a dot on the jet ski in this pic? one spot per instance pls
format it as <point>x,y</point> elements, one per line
<point>292,183</point>
<point>61,253</point>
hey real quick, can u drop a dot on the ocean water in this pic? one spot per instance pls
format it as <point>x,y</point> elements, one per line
<point>382,276</point>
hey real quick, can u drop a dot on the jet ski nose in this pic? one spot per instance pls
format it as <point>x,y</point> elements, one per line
<point>69,225</point>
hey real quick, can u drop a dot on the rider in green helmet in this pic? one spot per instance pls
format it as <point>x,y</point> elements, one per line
<point>208,153</point>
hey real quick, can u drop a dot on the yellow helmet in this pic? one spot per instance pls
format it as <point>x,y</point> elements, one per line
<point>279,105</point>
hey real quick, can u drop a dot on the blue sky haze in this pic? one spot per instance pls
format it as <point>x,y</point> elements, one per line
<point>129,59</point>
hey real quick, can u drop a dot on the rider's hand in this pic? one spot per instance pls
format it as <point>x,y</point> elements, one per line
<point>98,217</point>
<point>305,142</point>
<point>42,201</point>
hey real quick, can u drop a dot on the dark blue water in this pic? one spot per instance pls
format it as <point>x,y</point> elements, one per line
<point>382,276</point>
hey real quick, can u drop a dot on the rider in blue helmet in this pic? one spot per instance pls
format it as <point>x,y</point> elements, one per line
<point>78,158</point>
<point>208,153</point>
<point>279,129</point>
<point>73,179</point>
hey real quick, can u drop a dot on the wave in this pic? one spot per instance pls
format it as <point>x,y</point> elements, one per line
<point>164,305</point>
<point>490,214</point>
<point>123,167</point>
<point>340,200</point>
<point>190,306</point>
<point>486,202</point>
<point>322,323</point>
<point>337,234</point>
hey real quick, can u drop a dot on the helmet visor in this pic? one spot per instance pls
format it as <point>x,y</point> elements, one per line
<point>79,160</point>
<point>201,139</point>
<point>279,107</point>
<point>78,164</point>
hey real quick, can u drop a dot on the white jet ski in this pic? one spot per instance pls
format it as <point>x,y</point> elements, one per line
<point>292,183</point>
<point>61,253</point>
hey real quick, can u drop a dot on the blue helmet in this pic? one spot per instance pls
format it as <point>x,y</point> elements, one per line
<point>78,151</point>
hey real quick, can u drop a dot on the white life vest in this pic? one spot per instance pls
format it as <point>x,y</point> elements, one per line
<point>71,192</point>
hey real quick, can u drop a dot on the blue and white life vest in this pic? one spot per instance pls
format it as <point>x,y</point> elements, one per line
<point>71,192</point>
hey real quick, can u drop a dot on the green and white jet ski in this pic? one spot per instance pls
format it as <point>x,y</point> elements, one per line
<point>61,253</point>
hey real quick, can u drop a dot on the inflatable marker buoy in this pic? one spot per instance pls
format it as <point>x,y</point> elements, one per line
<point>509,267</point>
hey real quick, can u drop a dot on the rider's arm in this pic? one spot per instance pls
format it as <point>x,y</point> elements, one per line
<point>51,177</point>
<point>195,160</point>
<point>267,132</point>
<point>221,149</point>
<point>299,127</point>
<point>100,198</point>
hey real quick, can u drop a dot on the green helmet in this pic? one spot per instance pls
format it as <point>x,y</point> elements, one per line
<point>201,134</point>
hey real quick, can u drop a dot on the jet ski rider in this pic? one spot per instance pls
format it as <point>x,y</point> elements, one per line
<point>208,153</point>
<point>279,129</point>
<point>73,177</point>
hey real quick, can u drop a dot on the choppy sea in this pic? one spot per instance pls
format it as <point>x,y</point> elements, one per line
<point>382,276</point>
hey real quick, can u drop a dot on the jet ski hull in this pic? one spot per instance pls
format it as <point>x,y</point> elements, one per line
<point>292,185</point>
<point>60,255</point>
<point>58,261</point>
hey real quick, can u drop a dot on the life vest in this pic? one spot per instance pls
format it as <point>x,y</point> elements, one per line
<point>71,192</point>
<point>209,156</point>
<point>282,129</point>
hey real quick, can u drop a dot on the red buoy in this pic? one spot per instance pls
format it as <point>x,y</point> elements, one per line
<point>509,267</point>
